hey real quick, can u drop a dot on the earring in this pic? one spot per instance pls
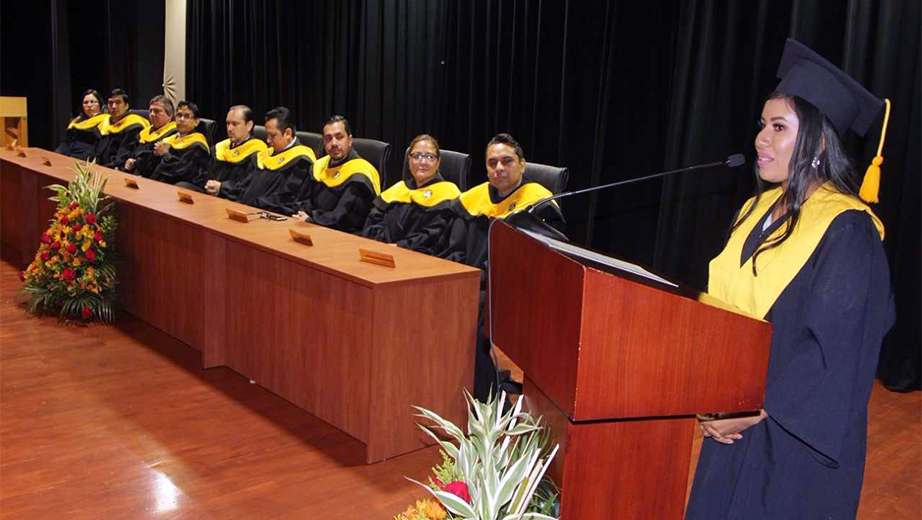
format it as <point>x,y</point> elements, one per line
<point>815,163</point>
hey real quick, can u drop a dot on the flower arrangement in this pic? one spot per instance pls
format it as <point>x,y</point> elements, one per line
<point>496,470</point>
<point>73,272</point>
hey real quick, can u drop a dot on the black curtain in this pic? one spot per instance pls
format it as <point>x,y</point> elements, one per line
<point>612,90</point>
<point>53,50</point>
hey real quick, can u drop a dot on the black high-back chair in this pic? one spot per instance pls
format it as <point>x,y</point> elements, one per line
<point>378,153</point>
<point>259,132</point>
<point>554,178</point>
<point>313,141</point>
<point>207,127</point>
<point>145,113</point>
<point>455,167</point>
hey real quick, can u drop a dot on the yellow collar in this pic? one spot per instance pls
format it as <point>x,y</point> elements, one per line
<point>192,138</point>
<point>735,284</point>
<point>477,200</point>
<point>149,136</point>
<point>333,177</point>
<point>428,196</point>
<point>224,152</point>
<point>281,160</point>
<point>92,122</point>
<point>129,121</point>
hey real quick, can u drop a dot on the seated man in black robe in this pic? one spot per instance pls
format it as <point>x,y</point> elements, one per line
<point>142,161</point>
<point>343,186</point>
<point>507,191</point>
<point>415,212</point>
<point>121,134</point>
<point>183,156</point>
<point>235,158</point>
<point>285,163</point>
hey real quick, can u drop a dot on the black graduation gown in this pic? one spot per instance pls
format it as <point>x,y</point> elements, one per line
<point>187,160</point>
<point>467,243</point>
<point>396,219</point>
<point>335,202</point>
<point>119,140</point>
<point>83,136</point>
<point>231,164</point>
<point>806,460</point>
<point>145,160</point>
<point>265,187</point>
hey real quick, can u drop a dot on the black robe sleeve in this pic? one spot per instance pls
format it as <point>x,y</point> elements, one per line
<point>122,146</point>
<point>350,211</point>
<point>188,165</point>
<point>282,198</point>
<point>375,228</point>
<point>822,377</point>
<point>429,231</point>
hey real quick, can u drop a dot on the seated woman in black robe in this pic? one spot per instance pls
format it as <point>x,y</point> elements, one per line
<point>85,131</point>
<point>805,253</point>
<point>415,212</point>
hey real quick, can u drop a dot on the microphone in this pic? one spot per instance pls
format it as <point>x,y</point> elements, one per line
<point>731,162</point>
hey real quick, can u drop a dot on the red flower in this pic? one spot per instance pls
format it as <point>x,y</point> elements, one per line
<point>46,239</point>
<point>22,276</point>
<point>71,248</point>
<point>73,205</point>
<point>458,489</point>
<point>46,256</point>
<point>68,274</point>
<point>99,236</point>
<point>78,227</point>
<point>91,255</point>
<point>90,218</point>
<point>55,245</point>
<point>86,312</point>
<point>64,220</point>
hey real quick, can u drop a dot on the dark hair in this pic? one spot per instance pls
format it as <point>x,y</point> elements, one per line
<point>190,105</point>
<point>507,140</point>
<point>282,117</point>
<point>165,101</point>
<point>339,119</point>
<point>122,93</point>
<point>816,139</point>
<point>245,110</point>
<point>425,137</point>
<point>95,93</point>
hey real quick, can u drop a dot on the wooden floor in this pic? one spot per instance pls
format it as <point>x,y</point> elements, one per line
<point>123,423</point>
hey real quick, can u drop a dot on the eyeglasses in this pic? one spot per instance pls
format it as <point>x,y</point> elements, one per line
<point>420,156</point>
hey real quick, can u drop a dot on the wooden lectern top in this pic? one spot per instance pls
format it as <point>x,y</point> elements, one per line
<point>602,345</point>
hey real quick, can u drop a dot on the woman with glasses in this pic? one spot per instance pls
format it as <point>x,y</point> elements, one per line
<point>85,130</point>
<point>415,213</point>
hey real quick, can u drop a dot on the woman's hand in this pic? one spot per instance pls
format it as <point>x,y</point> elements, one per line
<point>726,430</point>
<point>302,216</point>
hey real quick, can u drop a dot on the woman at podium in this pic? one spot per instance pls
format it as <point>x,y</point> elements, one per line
<point>415,212</point>
<point>806,254</point>
<point>85,130</point>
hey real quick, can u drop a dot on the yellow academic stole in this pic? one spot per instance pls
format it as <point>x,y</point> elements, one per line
<point>755,295</point>
<point>126,122</point>
<point>181,142</point>
<point>224,152</point>
<point>282,159</point>
<point>427,196</point>
<point>477,200</point>
<point>333,177</point>
<point>148,136</point>
<point>86,124</point>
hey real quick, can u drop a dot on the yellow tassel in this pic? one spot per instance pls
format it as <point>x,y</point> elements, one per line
<point>870,186</point>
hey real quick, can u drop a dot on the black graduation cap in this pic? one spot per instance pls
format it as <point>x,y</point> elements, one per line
<point>843,100</point>
<point>846,103</point>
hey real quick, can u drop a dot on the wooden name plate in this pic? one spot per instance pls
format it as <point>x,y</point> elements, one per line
<point>299,237</point>
<point>131,183</point>
<point>185,197</point>
<point>373,257</point>
<point>240,216</point>
<point>46,161</point>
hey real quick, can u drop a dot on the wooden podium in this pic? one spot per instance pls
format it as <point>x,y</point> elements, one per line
<point>618,363</point>
<point>14,121</point>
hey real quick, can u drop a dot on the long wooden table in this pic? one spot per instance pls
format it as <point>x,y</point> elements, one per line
<point>353,343</point>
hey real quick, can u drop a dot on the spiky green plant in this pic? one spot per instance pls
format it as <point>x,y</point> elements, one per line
<point>502,459</point>
<point>74,271</point>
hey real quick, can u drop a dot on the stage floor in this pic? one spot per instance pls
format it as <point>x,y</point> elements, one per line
<point>122,422</point>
